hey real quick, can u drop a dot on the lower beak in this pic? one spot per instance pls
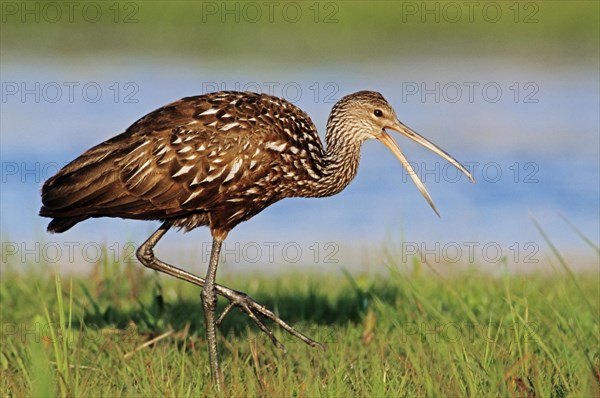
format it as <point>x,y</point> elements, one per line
<point>393,146</point>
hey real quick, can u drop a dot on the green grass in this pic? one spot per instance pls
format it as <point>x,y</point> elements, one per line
<point>303,32</point>
<point>412,332</point>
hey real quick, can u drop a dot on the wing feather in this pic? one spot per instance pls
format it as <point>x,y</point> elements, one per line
<point>185,159</point>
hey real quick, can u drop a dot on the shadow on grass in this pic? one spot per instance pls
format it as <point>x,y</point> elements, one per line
<point>300,308</point>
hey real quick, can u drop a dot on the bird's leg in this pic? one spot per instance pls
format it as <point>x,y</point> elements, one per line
<point>252,308</point>
<point>238,299</point>
<point>209,303</point>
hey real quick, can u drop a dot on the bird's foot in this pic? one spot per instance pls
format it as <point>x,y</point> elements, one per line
<point>252,308</point>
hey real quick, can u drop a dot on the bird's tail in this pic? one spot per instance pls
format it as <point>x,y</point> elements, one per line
<point>61,224</point>
<point>74,193</point>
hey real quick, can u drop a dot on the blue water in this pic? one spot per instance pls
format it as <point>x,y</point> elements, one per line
<point>531,139</point>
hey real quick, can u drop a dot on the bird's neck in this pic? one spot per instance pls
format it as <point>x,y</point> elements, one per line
<point>339,164</point>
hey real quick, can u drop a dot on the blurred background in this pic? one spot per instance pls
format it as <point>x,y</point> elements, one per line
<point>511,89</point>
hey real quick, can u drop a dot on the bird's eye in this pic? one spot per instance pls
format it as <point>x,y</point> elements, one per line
<point>378,112</point>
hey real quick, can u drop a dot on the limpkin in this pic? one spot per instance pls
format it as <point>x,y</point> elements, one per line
<point>217,160</point>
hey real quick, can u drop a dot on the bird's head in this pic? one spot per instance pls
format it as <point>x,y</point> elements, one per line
<point>367,115</point>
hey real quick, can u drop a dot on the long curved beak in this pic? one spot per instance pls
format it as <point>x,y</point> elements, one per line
<point>393,146</point>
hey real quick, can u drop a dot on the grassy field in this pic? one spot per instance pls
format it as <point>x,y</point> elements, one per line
<point>304,32</point>
<point>412,332</point>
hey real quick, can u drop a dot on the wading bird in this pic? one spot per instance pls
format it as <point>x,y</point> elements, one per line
<point>216,160</point>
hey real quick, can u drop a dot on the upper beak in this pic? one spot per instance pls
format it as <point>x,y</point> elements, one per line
<point>391,144</point>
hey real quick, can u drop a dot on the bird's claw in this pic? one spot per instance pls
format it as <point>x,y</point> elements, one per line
<point>225,312</point>
<point>252,308</point>
<point>252,316</point>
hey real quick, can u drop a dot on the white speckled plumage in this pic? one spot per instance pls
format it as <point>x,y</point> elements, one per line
<point>214,159</point>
